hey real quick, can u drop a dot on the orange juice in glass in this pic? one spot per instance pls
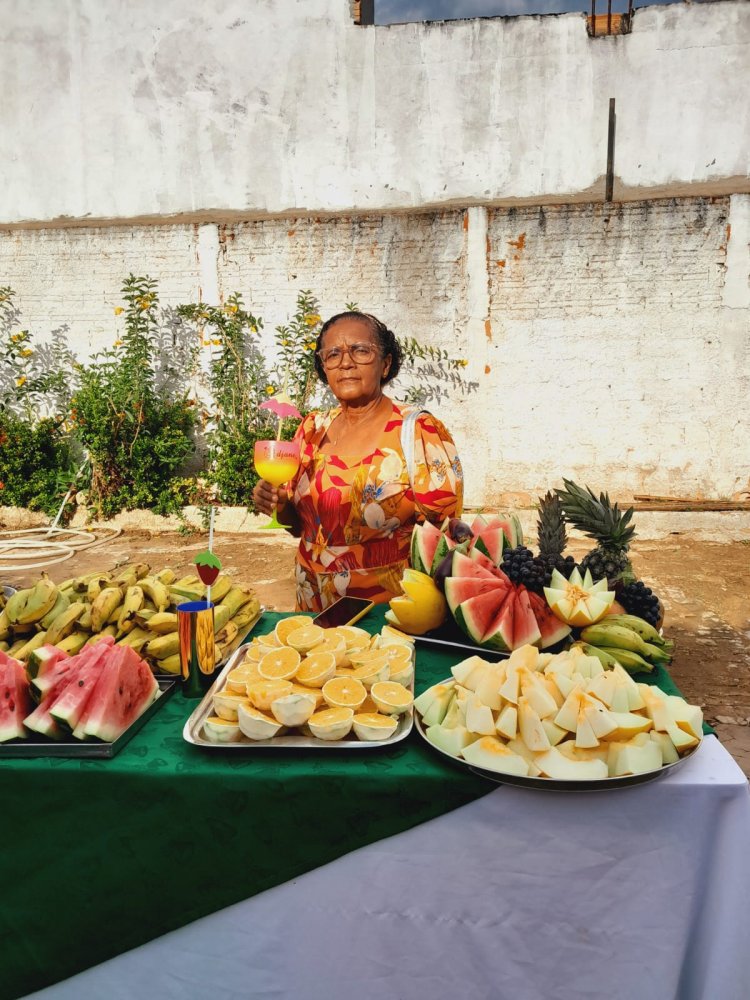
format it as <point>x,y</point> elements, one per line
<point>276,462</point>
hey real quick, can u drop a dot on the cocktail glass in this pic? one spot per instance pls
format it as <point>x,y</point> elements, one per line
<point>276,462</point>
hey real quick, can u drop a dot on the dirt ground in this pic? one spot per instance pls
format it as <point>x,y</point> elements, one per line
<point>704,586</point>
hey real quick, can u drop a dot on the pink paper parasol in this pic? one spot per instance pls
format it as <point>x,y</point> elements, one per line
<point>282,406</point>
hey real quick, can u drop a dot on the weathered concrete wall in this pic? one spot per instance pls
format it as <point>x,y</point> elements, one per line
<point>607,343</point>
<point>130,109</point>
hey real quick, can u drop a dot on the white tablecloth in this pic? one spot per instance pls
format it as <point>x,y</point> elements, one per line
<point>636,894</point>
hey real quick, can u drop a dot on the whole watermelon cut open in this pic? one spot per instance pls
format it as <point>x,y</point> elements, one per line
<point>15,700</point>
<point>125,689</point>
<point>459,589</point>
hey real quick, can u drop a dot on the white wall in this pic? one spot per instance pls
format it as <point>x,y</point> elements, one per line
<point>121,109</point>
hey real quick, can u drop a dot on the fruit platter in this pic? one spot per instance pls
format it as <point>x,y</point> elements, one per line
<point>556,721</point>
<point>88,704</point>
<point>478,586</point>
<point>303,686</point>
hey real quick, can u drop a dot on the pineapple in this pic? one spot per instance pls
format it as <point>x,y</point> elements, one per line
<point>602,521</point>
<point>552,537</point>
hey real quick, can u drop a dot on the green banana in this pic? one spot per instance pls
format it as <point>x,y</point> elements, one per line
<point>104,606</point>
<point>65,623</point>
<point>631,661</point>
<point>130,606</point>
<point>237,598</point>
<point>157,591</point>
<point>222,614</point>
<point>645,630</point>
<point>603,634</point>
<point>606,659</point>
<point>178,595</point>
<point>656,654</point>
<point>61,604</point>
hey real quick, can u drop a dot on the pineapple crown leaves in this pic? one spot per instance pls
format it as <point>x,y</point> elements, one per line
<point>598,518</point>
<point>550,525</point>
<point>207,558</point>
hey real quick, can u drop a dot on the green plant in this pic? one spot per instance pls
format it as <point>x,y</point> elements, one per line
<point>294,372</point>
<point>135,424</point>
<point>238,381</point>
<point>433,374</point>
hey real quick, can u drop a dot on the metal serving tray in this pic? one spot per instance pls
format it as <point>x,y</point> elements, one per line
<point>193,729</point>
<point>39,746</point>
<point>556,784</point>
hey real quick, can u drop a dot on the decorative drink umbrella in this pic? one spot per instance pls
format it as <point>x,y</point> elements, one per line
<point>283,407</point>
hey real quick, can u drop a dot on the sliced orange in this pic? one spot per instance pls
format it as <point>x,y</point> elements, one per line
<point>397,654</point>
<point>305,638</point>
<point>316,669</point>
<point>269,639</point>
<point>344,692</point>
<point>360,657</point>
<point>371,726</point>
<point>368,706</point>
<point>280,664</point>
<point>238,679</point>
<point>331,723</point>
<point>334,644</point>
<point>254,654</point>
<point>315,692</point>
<point>371,673</point>
<point>391,698</point>
<point>262,693</point>
<point>288,625</point>
<point>225,704</point>
<point>354,637</point>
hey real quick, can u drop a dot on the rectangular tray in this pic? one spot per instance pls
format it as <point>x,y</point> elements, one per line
<point>192,731</point>
<point>39,746</point>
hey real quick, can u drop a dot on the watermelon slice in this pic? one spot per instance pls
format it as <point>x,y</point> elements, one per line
<point>55,680</point>
<point>498,631</point>
<point>15,700</point>
<point>460,589</point>
<point>551,628</point>
<point>424,542</point>
<point>525,628</point>
<point>69,705</point>
<point>479,557</point>
<point>477,613</point>
<point>42,660</point>
<point>445,545</point>
<point>491,541</point>
<point>475,564</point>
<point>508,522</point>
<point>125,689</point>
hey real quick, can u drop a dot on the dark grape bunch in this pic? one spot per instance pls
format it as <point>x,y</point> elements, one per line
<point>522,566</point>
<point>640,600</point>
<point>563,564</point>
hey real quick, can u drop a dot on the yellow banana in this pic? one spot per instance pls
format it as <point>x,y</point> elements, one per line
<point>125,578</point>
<point>190,582</point>
<point>169,664</point>
<point>237,598</point>
<point>4,646</point>
<point>4,624</point>
<point>179,595</point>
<point>157,591</point>
<point>65,623</point>
<point>61,604</point>
<point>163,646</point>
<point>163,622</point>
<point>33,643</point>
<point>109,630</point>
<point>227,635</point>
<point>84,621</point>
<point>136,637</point>
<point>73,643</point>
<point>104,605</point>
<point>124,573</point>
<point>166,576</point>
<point>246,614</point>
<point>80,583</point>
<point>40,600</point>
<point>18,644</point>
<point>222,615</point>
<point>97,585</point>
<point>130,606</point>
<point>221,587</point>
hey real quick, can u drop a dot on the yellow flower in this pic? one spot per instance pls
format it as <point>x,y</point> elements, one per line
<point>216,341</point>
<point>285,343</point>
<point>119,310</point>
<point>312,319</point>
<point>310,346</point>
<point>20,381</point>
<point>118,343</point>
<point>230,308</point>
<point>26,352</point>
<point>462,362</point>
<point>270,390</point>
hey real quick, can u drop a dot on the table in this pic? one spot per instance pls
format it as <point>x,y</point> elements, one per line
<point>641,892</point>
<point>109,855</point>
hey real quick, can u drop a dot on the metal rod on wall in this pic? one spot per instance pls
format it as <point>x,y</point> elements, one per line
<point>609,189</point>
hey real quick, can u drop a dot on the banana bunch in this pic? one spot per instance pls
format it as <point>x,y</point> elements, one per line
<point>627,640</point>
<point>136,607</point>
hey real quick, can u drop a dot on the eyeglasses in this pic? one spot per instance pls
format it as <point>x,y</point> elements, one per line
<point>361,354</point>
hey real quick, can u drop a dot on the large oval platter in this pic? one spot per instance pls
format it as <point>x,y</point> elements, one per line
<point>554,784</point>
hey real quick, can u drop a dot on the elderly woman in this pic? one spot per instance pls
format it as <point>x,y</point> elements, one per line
<point>352,503</point>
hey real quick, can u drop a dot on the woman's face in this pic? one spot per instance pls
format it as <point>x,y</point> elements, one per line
<point>354,382</point>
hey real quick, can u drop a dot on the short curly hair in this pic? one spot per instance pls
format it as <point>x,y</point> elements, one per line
<point>386,340</point>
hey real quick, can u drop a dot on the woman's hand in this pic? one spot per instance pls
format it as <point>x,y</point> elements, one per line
<point>268,498</point>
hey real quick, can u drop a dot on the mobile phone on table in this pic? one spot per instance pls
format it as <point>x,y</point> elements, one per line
<point>345,611</point>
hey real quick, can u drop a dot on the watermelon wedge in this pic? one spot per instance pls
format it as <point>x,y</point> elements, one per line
<point>525,628</point>
<point>461,589</point>
<point>55,680</point>
<point>42,660</point>
<point>491,541</point>
<point>15,700</point>
<point>498,631</point>
<point>125,689</point>
<point>551,628</point>
<point>476,614</point>
<point>476,565</point>
<point>424,542</point>
<point>67,708</point>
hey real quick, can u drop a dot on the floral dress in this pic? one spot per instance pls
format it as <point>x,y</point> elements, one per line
<point>357,514</point>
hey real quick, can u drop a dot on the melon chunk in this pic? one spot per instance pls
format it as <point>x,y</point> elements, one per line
<point>554,764</point>
<point>493,755</point>
<point>450,741</point>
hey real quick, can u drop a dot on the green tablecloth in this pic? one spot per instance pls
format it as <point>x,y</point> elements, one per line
<point>101,856</point>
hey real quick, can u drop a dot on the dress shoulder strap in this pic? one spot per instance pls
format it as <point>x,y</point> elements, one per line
<point>407,439</point>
